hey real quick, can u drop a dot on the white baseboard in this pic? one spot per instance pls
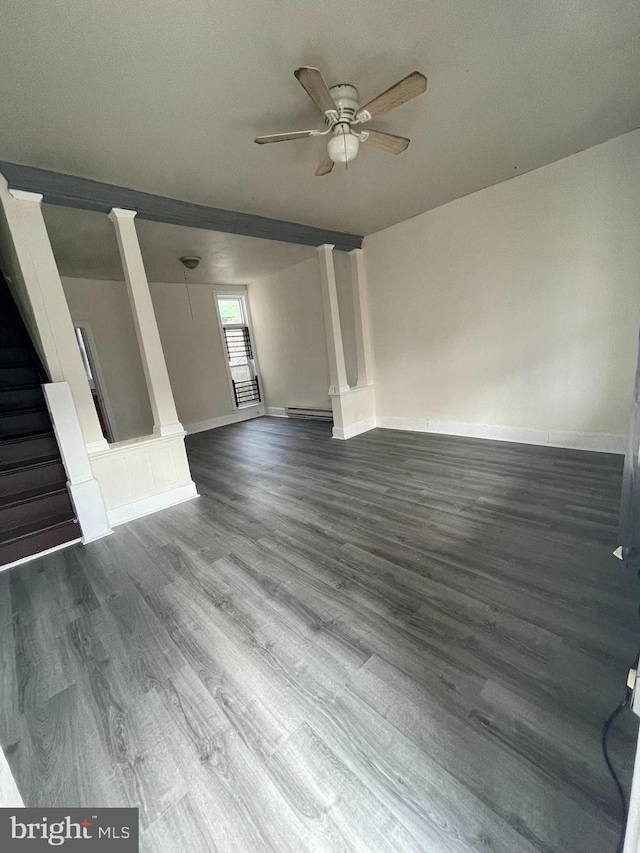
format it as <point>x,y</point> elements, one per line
<point>275,412</point>
<point>602,442</point>
<point>224,420</point>
<point>354,429</point>
<point>146,506</point>
<point>598,441</point>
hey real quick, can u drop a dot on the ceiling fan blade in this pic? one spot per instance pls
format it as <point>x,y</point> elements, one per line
<point>283,137</point>
<point>412,86</point>
<point>313,82</point>
<point>385,141</point>
<point>325,167</point>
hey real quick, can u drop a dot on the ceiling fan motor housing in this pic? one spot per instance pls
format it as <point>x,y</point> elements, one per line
<point>346,98</point>
<point>343,145</point>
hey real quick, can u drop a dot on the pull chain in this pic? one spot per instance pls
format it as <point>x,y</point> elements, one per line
<point>186,287</point>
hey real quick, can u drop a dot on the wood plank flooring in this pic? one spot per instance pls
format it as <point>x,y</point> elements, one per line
<point>403,642</point>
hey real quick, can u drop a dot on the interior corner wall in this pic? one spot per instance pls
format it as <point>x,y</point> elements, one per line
<point>288,324</point>
<point>193,350</point>
<point>105,306</point>
<point>516,305</point>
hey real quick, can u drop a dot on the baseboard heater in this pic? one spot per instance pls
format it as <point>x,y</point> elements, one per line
<point>309,414</point>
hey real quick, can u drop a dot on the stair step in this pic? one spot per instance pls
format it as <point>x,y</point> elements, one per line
<point>35,510</point>
<point>12,335</point>
<point>12,376</point>
<point>9,319</point>
<point>14,356</point>
<point>30,450</point>
<point>36,527</point>
<point>27,422</point>
<point>21,398</point>
<point>7,303</point>
<point>31,542</point>
<point>31,480</point>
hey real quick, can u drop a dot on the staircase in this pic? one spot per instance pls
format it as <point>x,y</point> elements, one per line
<point>35,508</point>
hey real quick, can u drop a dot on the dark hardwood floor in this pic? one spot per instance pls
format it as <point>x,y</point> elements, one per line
<point>401,642</point>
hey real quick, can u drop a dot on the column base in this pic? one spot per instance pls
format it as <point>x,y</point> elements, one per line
<point>354,411</point>
<point>350,431</point>
<point>168,429</point>
<point>97,446</point>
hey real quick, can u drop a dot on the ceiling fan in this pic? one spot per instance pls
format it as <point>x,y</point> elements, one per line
<point>339,105</point>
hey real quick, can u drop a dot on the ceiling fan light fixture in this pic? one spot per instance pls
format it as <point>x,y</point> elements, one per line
<point>343,147</point>
<point>190,261</point>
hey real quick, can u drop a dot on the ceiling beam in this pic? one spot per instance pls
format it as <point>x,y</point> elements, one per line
<point>70,191</point>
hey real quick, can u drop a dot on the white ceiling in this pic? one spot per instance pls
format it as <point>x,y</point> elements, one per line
<point>167,95</point>
<point>84,245</point>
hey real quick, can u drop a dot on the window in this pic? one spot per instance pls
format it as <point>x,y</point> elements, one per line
<point>231,310</point>
<point>239,350</point>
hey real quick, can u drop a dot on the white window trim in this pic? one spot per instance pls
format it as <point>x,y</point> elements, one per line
<point>232,293</point>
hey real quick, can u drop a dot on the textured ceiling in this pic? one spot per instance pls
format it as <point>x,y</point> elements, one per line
<point>167,95</point>
<point>84,245</point>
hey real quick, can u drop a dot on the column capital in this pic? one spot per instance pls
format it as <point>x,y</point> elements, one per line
<point>121,213</point>
<point>24,195</point>
<point>325,246</point>
<point>355,252</point>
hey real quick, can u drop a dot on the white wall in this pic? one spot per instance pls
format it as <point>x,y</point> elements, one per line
<point>517,305</point>
<point>289,332</point>
<point>193,350</point>
<point>288,323</point>
<point>105,306</point>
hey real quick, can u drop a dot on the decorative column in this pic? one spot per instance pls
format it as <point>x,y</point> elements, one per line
<point>335,351</point>
<point>38,289</point>
<point>353,408</point>
<point>165,417</point>
<point>364,356</point>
